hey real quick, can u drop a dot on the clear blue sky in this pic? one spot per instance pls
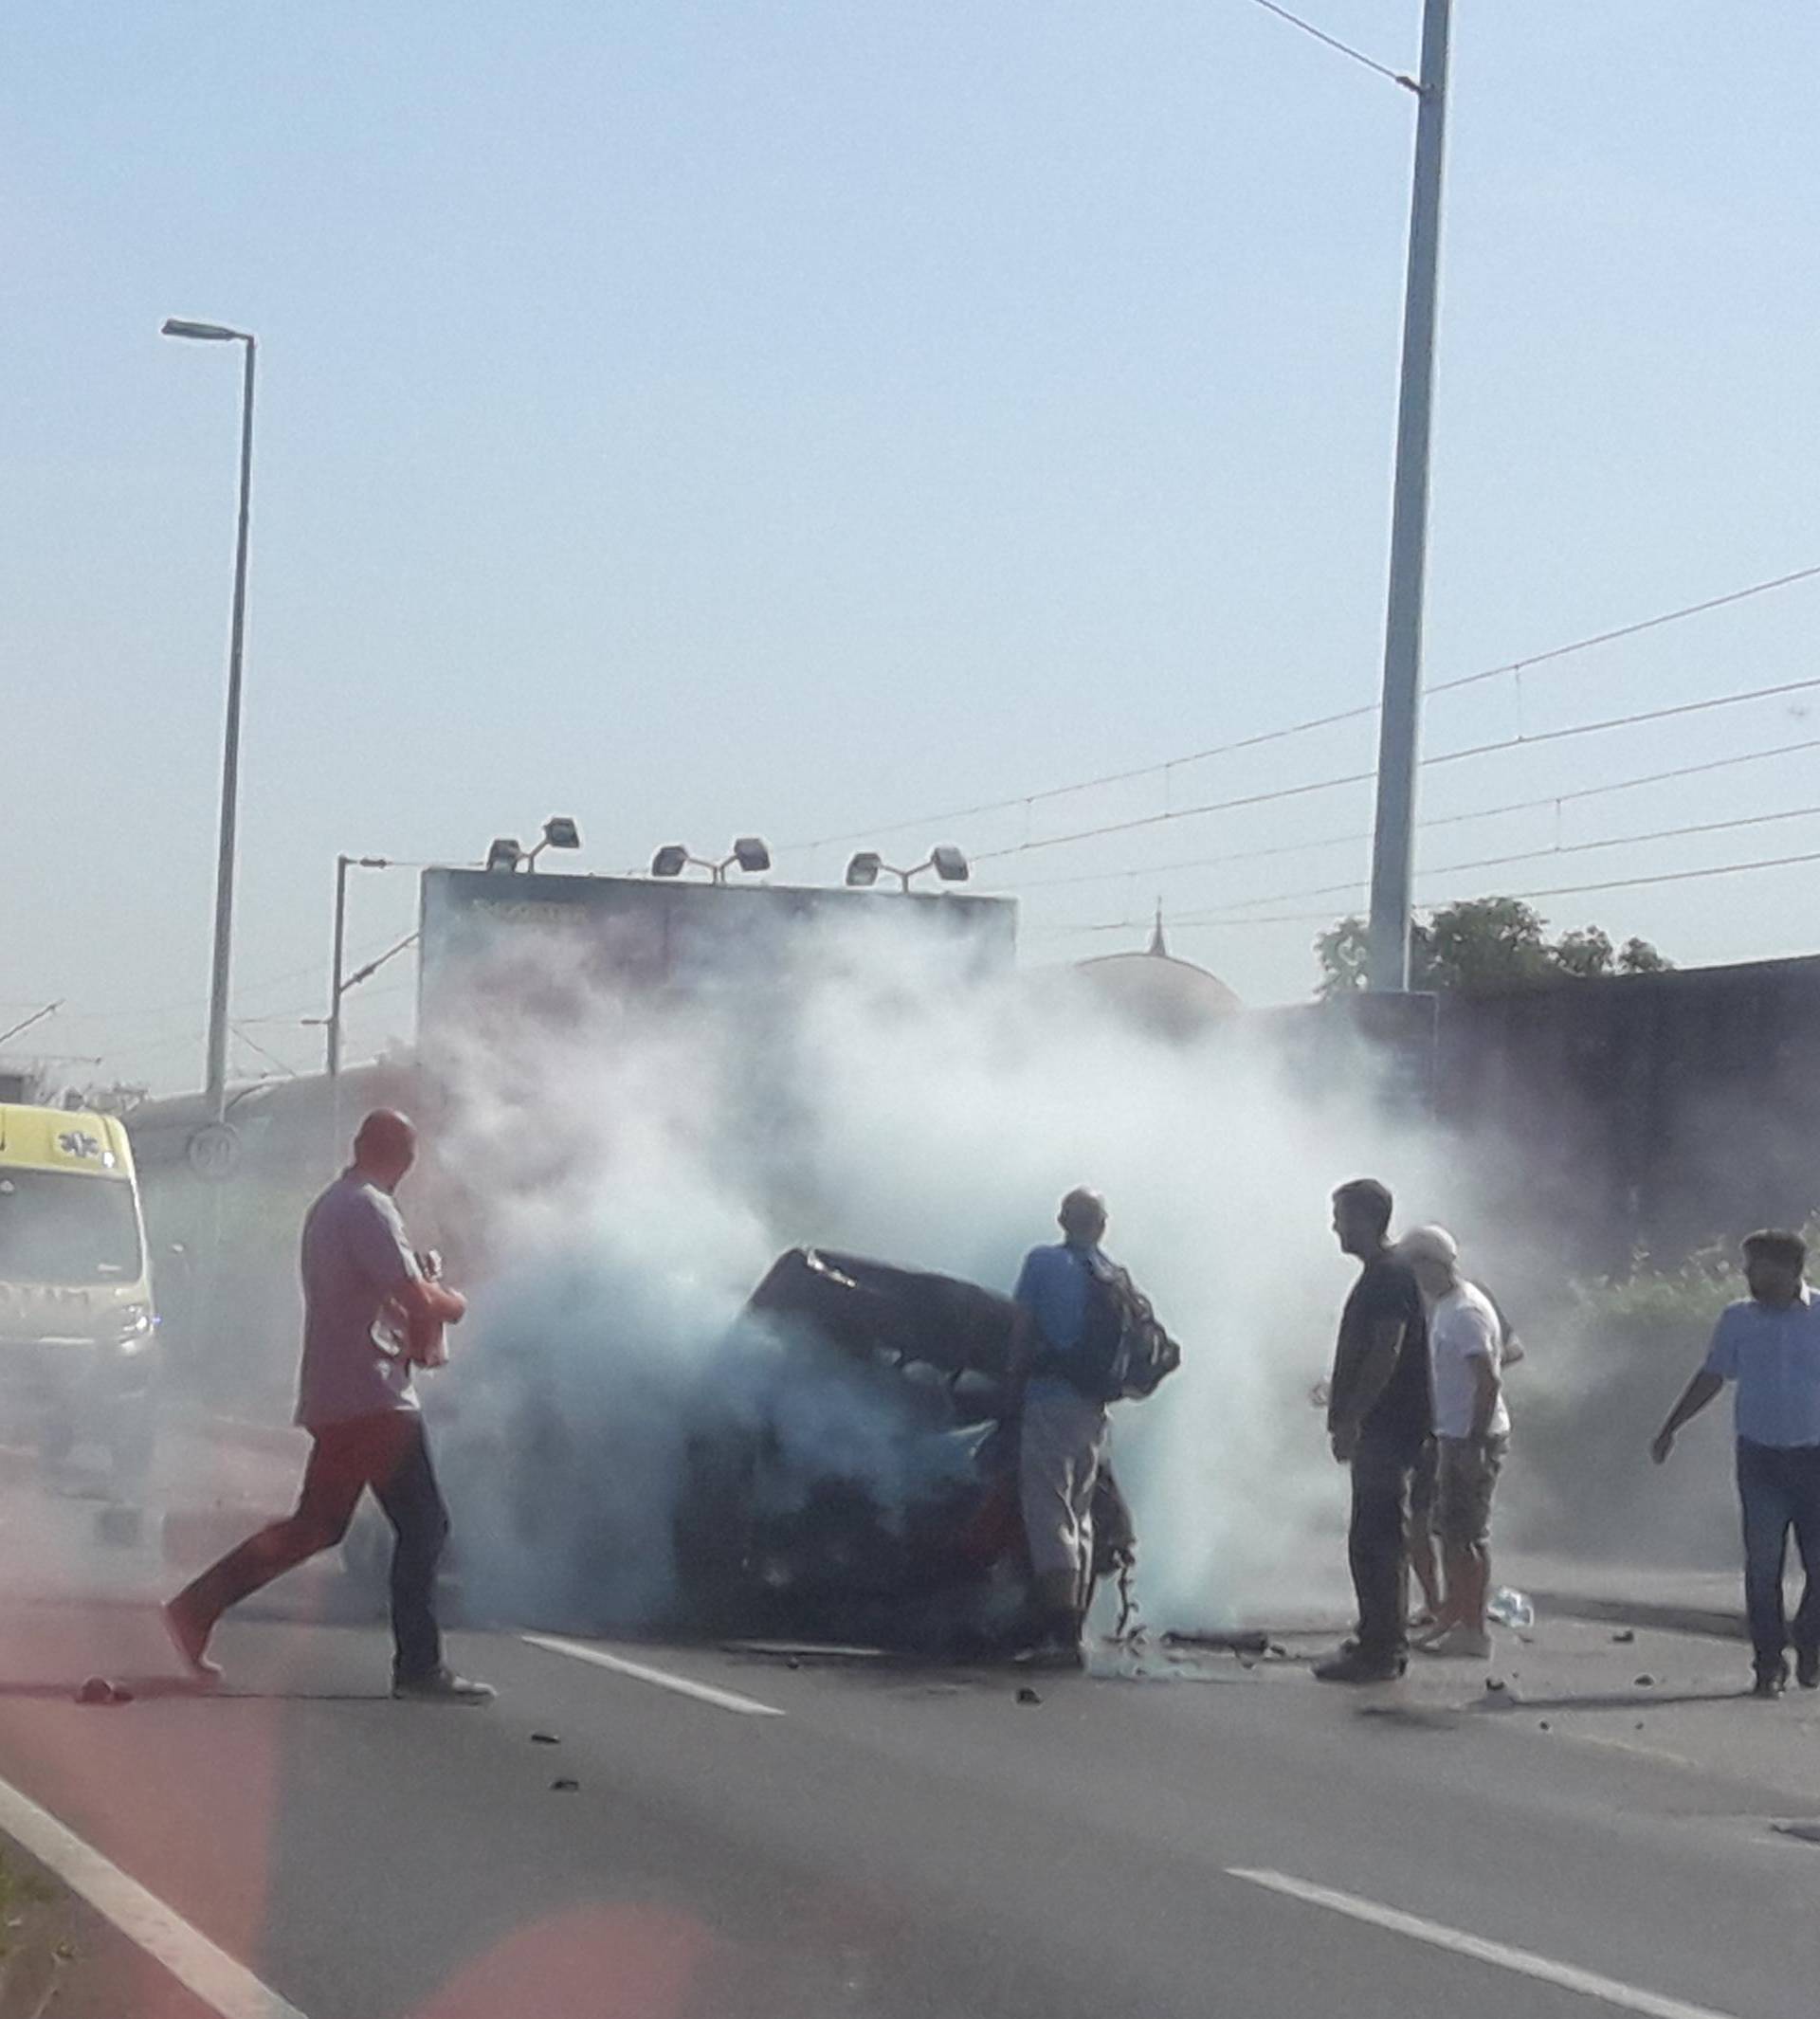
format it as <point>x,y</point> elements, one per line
<point>711,418</point>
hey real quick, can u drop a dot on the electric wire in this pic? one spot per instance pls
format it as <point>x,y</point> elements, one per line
<point>1332,42</point>
<point>1361,835</point>
<point>1506,668</point>
<point>1519,741</point>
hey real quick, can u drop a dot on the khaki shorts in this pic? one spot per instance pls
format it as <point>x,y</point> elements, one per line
<point>1466,1474</point>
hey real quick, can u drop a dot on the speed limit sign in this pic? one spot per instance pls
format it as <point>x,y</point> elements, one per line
<point>213,1150</point>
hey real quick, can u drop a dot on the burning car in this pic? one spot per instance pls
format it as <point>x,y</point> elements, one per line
<point>863,1481</point>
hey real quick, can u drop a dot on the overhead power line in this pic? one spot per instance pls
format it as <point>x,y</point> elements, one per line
<point>1440,820</point>
<point>1533,855</point>
<point>271,1058</point>
<point>1332,42</point>
<point>1519,742</point>
<point>1194,919</point>
<point>1506,669</point>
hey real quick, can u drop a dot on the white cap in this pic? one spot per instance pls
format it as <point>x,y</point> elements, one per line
<point>1430,1244</point>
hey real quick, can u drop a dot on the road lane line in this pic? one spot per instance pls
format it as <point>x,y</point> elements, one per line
<point>225,1987</point>
<point>1626,1997</point>
<point>724,1700</point>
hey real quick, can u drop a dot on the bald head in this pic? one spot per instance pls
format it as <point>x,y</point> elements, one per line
<point>386,1148</point>
<point>1082,1217</point>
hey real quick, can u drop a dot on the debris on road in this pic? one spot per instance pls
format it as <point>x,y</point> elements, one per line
<point>1510,1608</point>
<point>1244,1643</point>
<point>545,1739</point>
<point>1646,1683</point>
<point>98,1690</point>
<point>1625,1636</point>
<point>1027,1695</point>
<point>565,1787</point>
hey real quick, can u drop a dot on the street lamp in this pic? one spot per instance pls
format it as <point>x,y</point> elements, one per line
<point>750,856</point>
<point>949,864</point>
<point>558,832</point>
<point>216,1076</point>
<point>505,855</point>
<point>338,985</point>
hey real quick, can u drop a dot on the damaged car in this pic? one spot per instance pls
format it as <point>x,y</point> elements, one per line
<point>862,1481</point>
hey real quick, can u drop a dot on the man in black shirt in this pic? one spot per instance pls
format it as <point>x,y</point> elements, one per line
<point>1380,1418</point>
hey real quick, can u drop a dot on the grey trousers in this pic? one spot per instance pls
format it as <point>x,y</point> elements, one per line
<point>1061,1443</point>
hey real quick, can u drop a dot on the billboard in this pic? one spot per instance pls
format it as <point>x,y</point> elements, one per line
<point>488,934</point>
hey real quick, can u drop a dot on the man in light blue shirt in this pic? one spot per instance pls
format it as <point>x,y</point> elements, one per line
<point>1769,1346</point>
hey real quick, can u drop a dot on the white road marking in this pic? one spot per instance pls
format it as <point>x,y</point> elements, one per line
<point>224,1986</point>
<point>1626,1997</point>
<point>725,1699</point>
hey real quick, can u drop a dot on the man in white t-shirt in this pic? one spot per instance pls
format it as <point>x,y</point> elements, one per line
<point>1472,1432</point>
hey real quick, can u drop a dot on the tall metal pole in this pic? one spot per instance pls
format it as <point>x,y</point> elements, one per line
<point>338,982</point>
<point>343,863</point>
<point>1399,732</point>
<point>216,1084</point>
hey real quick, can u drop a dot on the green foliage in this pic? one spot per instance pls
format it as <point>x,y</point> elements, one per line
<point>1480,941</point>
<point>1687,1298</point>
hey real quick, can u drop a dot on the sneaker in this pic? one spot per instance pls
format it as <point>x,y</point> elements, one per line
<point>1458,1644</point>
<point>190,1637</point>
<point>1351,1665</point>
<point>1770,1683</point>
<point>1807,1667</point>
<point>442,1685</point>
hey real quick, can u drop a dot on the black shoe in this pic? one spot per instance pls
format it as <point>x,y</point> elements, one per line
<point>442,1685</point>
<point>1350,1665</point>
<point>1770,1683</point>
<point>1807,1667</point>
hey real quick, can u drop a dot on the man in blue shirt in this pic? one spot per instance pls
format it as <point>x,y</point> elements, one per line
<point>1063,1430</point>
<point>1769,1346</point>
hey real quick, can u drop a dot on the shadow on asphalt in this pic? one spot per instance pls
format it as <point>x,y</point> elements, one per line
<point>150,1690</point>
<point>1721,1625</point>
<point>1619,1700</point>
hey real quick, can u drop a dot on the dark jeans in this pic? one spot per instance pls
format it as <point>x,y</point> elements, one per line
<point>1781,1490</point>
<point>388,1453</point>
<point>1377,1547</point>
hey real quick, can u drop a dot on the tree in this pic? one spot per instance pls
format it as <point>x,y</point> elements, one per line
<point>1480,941</point>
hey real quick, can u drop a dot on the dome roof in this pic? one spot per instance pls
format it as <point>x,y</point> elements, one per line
<point>1156,989</point>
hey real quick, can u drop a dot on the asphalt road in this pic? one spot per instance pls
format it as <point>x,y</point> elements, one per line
<point>857,1838</point>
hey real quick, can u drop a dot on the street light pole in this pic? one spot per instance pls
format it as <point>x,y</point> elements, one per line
<point>215,1084</point>
<point>1399,729</point>
<point>338,983</point>
<point>334,1047</point>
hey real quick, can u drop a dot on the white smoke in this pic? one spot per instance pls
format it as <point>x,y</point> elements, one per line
<point>636,1164</point>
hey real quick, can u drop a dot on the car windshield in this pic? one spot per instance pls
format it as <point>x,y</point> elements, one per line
<point>57,1227</point>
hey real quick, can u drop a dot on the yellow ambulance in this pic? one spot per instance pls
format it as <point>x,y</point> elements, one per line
<point>78,1332</point>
